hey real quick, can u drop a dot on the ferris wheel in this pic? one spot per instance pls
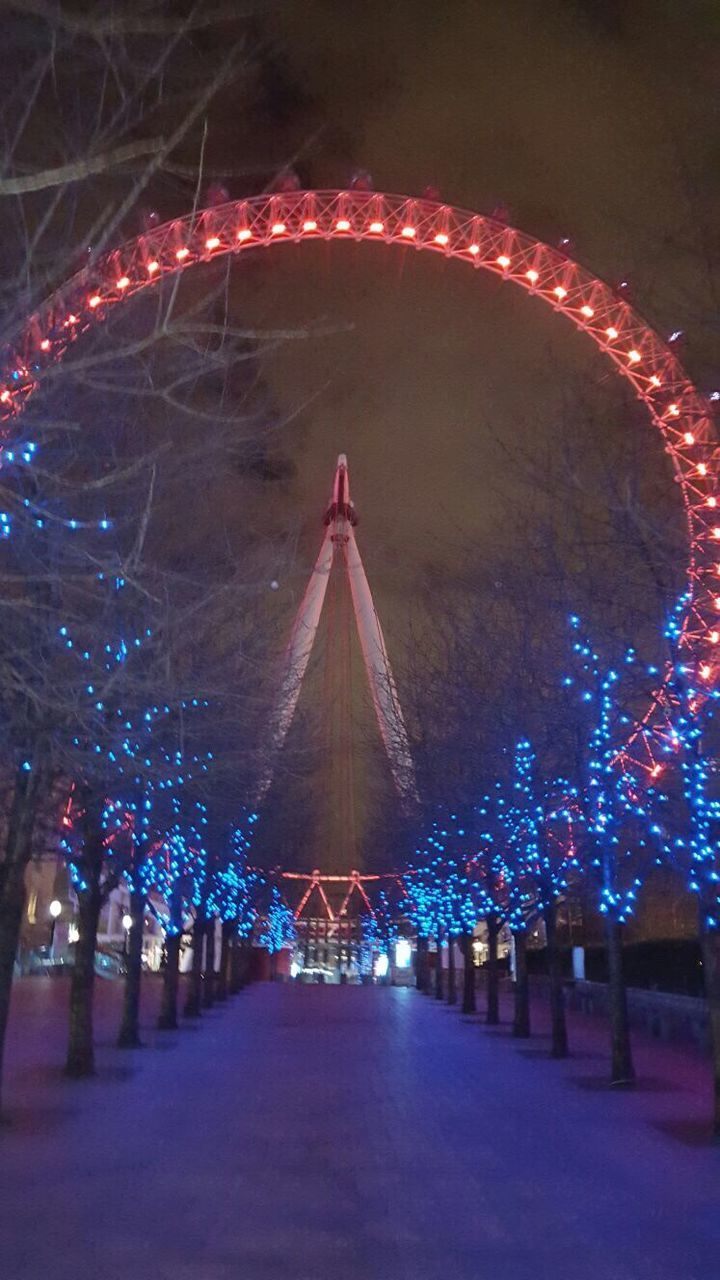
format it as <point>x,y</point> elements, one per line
<point>682,415</point>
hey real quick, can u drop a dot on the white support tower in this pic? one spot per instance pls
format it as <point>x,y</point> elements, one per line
<point>340,546</point>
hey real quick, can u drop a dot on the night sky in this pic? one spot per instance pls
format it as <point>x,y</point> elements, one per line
<point>468,411</point>
<point>587,120</point>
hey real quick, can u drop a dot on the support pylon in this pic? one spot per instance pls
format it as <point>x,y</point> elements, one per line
<point>340,545</point>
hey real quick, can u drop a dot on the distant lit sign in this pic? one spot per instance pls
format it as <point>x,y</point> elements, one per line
<point>403,953</point>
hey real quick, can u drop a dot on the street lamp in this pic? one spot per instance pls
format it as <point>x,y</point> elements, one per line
<point>55,910</point>
<point>127,922</point>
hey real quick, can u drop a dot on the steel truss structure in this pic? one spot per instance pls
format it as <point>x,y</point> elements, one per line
<point>339,550</point>
<point>682,415</point>
<point>329,911</point>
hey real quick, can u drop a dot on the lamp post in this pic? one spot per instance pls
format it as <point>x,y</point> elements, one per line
<point>55,910</point>
<point>127,922</point>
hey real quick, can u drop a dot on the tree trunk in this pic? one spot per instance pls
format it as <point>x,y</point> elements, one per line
<point>622,1071</point>
<point>209,983</point>
<point>245,962</point>
<point>468,1001</point>
<point>129,1035</point>
<point>168,1016</point>
<point>710,947</point>
<point>521,1020</point>
<point>558,1021</point>
<point>11,909</point>
<point>438,969</point>
<point>451,975</point>
<point>81,1048</point>
<point>18,848</point>
<point>235,980</point>
<point>193,995</point>
<point>492,1015</point>
<point>221,987</point>
<point>421,964</point>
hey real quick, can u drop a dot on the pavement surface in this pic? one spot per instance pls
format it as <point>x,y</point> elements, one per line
<point>302,1133</point>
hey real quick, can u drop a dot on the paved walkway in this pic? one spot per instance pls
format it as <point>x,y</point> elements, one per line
<point>302,1133</point>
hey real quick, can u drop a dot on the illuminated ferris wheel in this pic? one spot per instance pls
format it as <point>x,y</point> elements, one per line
<point>682,415</point>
